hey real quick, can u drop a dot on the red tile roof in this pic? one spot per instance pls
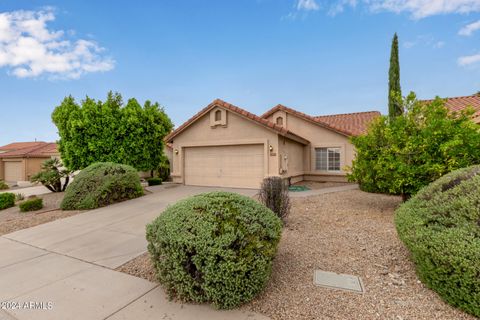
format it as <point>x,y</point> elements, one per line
<point>42,149</point>
<point>20,145</point>
<point>349,124</point>
<point>456,104</point>
<point>230,107</point>
<point>353,123</point>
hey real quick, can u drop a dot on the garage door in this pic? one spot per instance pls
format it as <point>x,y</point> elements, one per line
<point>13,171</point>
<point>225,166</point>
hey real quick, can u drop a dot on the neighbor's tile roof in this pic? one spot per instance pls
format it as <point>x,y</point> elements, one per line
<point>353,123</point>
<point>42,149</point>
<point>20,145</point>
<point>456,104</point>
<point>220,103</point>
<point>349,124</point>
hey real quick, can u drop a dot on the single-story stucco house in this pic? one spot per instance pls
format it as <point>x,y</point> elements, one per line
<point>19,161</point>
<point>224,145</point>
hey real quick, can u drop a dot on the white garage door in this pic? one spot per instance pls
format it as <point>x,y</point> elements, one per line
<point>225,166</point>
<point>13,171</point>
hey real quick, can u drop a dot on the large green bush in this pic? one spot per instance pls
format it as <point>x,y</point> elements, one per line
<point>7,200</point>
<point>441,228</point>
<point>102,184</point>
<point>215,248</point>
<point>403,154</point>
<point>101,131</point>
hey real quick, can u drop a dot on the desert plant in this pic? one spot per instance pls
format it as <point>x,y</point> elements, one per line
<point>52,174</point>
<point>31,205</point>
<point>7,200</point>
<point>214,248</point>
<point>3,185</point>
<point>274,195</point>
<point>154,181</point>
<point>19,197</point>
<point>102,184</point>
<point>440,227</point>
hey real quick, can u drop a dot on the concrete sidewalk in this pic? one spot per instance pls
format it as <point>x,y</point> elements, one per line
<point>63,269</point>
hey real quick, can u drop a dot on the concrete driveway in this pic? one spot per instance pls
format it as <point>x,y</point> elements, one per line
<point>29,191</point>
<point>64,269</point>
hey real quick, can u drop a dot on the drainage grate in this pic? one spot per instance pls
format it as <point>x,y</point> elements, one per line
<point>334,280</point>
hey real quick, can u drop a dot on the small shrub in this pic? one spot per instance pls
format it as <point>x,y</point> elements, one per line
<point>214,248</point>
<point>441,228</point>
<point>274,195</point>
<point>31,205</point>
<point>7,200</point>
<point>101,184</point>
<point>154,181</point>
<point>3,185</point>
<point>19,197</point>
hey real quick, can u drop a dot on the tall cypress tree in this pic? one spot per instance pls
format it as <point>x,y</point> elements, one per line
<point>394,89</point>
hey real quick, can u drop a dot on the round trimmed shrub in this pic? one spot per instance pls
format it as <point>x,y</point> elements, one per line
<point>7,200</point>
<point>101,184</point>
<point>441,228</point>
<point>215,248</point>
<point>33,204</point>
<point>154,181</point>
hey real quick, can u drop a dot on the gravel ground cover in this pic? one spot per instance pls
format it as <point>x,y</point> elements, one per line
<point>12,219</point>
<point>349,232</point>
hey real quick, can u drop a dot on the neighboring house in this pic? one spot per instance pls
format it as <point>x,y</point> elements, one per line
<point>224,145</point>
<point>19,161</point>
<point>456,104</point>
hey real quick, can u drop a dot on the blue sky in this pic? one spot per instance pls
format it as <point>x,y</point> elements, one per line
<point>321,57</point>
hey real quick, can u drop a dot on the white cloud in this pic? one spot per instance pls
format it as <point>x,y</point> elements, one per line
<point>425,8</point>
<point>469,29</point>
<point>307,5</point>
<point>28,48</point>
<point>417,8</point>
<point>468,60</point>
<point>425,40</point>
<point>339,7</point>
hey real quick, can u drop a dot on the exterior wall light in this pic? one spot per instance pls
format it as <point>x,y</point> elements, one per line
<point>176,151</point>
<point>270,148</point>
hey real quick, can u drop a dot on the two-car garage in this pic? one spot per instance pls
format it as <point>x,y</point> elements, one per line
<point>227,166</point>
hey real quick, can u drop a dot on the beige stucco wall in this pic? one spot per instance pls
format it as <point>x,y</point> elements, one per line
<point>291,157</point>
<point>238,130</point>
<point>33,166</point>
<point>319,137</point>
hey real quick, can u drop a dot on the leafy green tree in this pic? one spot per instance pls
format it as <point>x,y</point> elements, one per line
<point>52,175</point>
<point>111,131</point>
<point>394,89</point>
<point>402,155</point>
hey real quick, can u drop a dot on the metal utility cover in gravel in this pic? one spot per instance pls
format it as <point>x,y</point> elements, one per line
<point>334,280</point>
